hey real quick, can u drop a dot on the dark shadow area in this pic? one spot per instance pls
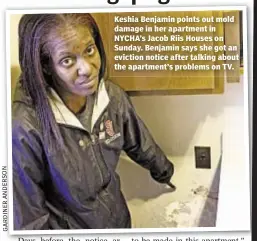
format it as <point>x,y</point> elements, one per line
<point>136,182</point>
<point>209,213</point>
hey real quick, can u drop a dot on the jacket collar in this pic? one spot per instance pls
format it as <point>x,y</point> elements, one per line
<point>64,116</point>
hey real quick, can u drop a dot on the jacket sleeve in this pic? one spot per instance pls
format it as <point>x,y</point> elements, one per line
<point>30,212</point>
<point>140,145</point>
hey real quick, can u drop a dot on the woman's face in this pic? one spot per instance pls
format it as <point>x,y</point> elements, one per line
<point>75,61</point>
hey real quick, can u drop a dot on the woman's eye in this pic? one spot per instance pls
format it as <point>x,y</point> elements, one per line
<point>67,62</point>
<point>91,50</point>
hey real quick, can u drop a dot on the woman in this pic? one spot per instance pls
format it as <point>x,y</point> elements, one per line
<point>69,128</point>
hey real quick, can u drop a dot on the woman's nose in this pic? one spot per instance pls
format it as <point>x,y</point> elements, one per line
<point>84,67</point>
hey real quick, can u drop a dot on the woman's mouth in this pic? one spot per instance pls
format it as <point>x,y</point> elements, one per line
<point>86,83</point>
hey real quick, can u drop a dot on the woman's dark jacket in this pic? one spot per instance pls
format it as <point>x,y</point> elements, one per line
<point>79,188</point>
